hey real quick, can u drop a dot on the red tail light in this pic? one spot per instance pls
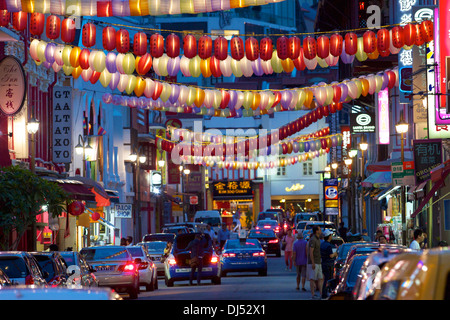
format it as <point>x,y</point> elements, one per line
<point>259,254</point>
<point>214,259</point>
<point>29,280</point>
<point>143,265</point>
<point>127,267</point>
<point>172,261</point>
<point>277,229</point>
<point>257,228</point>
<point>229,255</point>
<point>273,241</point>
<point>266,227</point>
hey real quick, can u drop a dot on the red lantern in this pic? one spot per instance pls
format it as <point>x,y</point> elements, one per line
<point>68,30</point>
<point>54,27</point>
<point>336,45</point>
<point>392,79</point>
<point>157,91</point>
<point>299,63</point>
<point>428,29</point>
<point>251,49</point>
<point>325,111</point>
<point>204,47</point>
<point>266,49</point>
<point>95,216</point>
<point>88,35</point>
<point>109,38</point>
<point>225,99</point>
<point>294,46</point>
<point>409,32</point>
<point>398,38</point>
<point>84,58</point>
<point>140,44</point>
<point>104,9</point>
<point>420,35</point>
<point>5,17</point>
<point>122,41</point>
<point>95,76</point>
<point>173,45</point>
<point>369,41</point>
<point>384,53</point>
<point>282,47</point>
<point>221,48</point>
<point>383,40</point>
<point>214,66</point>
<point>37,22</point>
<point>339,106</point>
<point>237,48</point>
<point>76,208</point>
<point>323,47</point>
<point>309,48</point>
<point>351,43</point>
<point>144,64</point>
<point>20,20</point>
<point>190,46</point>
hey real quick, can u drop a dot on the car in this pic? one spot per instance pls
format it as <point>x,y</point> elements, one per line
<point>365,285</point>
<point>54,265</point>
<point>79,271</point>
<point>177,265</point>
<point>22,268</point>
<point>369,248</point>
<point>272,215</point>
<point>167,237</point>
<point>243,255</point>
<point>322,224</point>
<point>337,242</point>
<point>22,292</point>
<point>212,217</point>
<point>175,229</point>
<point>115,268</point>
<point>342,256</point>
<point>268,224</point>
<point>281,211</point>
<point>4,280</point>
<point>192,226</point>
<point>305,216</point>
<point>348,279</point>
<point>268,240</point>
<point>416,275</point>
<point>155,250</point>
<point>147,270</point>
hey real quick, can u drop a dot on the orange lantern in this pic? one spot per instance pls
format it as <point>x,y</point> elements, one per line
<point>109,38</point>
<point>20,20</point>
<point>266,49</point>
<point>214,65</point>
<point>420,35</point>
<point>282,47</point>
<point>173,45</point>
<point>309,48</point>
<point>37,22</point>
<point>221,48</point>
<point>75,57</point>
<point>140,44</point>
<point>77,72</point>
<point>140,87</point>
<point>351,43</point>
<point>5,16</point>
<point>53,27</point>
<point>294,46</point>
<point>88,35</point>
<point>323,47</point>
<point>369,41</point>
<point>373,55</point>
<point>205,67</point>
<point>237,48</point>
<point>336,45</point>
<point>409,32</point>
<point>190,46</point>
<point>398,37</point>
<point>84,59</point>
<point>251,49</point>
<point>383,40</point>
<point>199,97</point>
<point>122,41</point>
<point>68,30</point>
<point>204,47</point>
<point>428,29</point>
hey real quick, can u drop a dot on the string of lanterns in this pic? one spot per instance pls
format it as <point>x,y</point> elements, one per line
<point>124,8</point>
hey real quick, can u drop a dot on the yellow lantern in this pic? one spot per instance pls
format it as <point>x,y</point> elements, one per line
<point>99,61</point>
<point>199,97</point>
<point>361,55</point>
<point>128,63</point>
<point>276,63</point>
<point>140,87</point>
<point>194,66</point>
<point>105,78</point>
<point>67,69</point>
<point>236,68</point>
<point>41,50</point>
<point>191,96</point>
<point>205,67</point>
<point>248,99</point>
<point>322,63</point>
<point>131,84</point>
<point>166,91</point>
<point>66,55</point>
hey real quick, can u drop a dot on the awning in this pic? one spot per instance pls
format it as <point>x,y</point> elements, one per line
<point>76,189</point>
<point>101,196</point>
<point>113,195</point>
<point>381,179</point>
<point>384,165</point>
<point>387,192</point>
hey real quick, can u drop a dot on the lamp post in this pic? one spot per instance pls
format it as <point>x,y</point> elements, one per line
<point>161,164</point>
<point>134,157</point>
<point>82,149</point>
<point>402,128</point>
<point>334,166</point>
<point>363,145</point>
<point>186,173</point>
<point>32,128</point>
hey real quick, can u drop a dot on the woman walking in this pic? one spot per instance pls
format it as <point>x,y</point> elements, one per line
<point>289,240</point>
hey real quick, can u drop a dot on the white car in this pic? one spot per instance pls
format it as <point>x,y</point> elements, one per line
<point>155,250</point>
<point>22,292</point>
<point>147,270</point>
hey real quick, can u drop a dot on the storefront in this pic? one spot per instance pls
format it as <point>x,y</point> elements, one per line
<point>297,203</point>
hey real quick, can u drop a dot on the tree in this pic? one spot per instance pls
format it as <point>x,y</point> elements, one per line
<point>22,195</point>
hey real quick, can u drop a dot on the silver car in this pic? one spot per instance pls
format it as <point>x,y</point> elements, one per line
<point>22,268</point>
<point>147,270</point>
<point>115,268</point>
<point>156,251</point>
<point>81,274</point>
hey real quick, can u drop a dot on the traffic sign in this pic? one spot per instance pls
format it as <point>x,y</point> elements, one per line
<point>331,193</point>
<point>403,173</point>
<point>193,200</point>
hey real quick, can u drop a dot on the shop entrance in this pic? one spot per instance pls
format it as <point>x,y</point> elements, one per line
<point>230,208</point>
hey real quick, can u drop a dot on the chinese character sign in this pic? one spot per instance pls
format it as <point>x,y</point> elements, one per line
<point>427,156</point>
<point>232,188</point>
<point>12,86</point>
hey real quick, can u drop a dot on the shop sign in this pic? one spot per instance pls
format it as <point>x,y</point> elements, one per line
<point>444,34</point>
<point>177,208</point>
<point>232,188</point>
<point>62,125</point>
<point>362,122</point>
<point>403,173</point>
<point>12,86</point>
<point>383,117</point>
<point>427,156</point>
<point>331,196</point>
<point>123,210</point>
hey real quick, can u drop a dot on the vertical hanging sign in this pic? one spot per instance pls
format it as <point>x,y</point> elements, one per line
<point>383,117</point>
<point>62,125</point>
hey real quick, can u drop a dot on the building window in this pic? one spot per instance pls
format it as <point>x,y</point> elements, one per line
<point>307,168</point>
<point>281,171</point>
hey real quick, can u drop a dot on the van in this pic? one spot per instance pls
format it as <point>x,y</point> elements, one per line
<point>209,217</point>
<point>272,215</point>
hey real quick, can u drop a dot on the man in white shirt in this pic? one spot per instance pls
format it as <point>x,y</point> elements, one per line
<point>418,238</point>
<point>211,232</point>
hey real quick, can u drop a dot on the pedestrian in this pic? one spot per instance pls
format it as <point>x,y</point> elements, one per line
<point>129,241</point>
<point>54,247</point>
<point>211,233</point>
<point>123,241</point>
<point>167,250</point>
<point>424,244</point>
<point>288,239</point>
<point>418,238</point>
<point>377,235</point>
<point>343,231</point>
<point>328,256</point>
<point>223,236</point>
<point>365,235</point>
<point>382,239</point>
<point>196,262</point>
<point>314,268</point>
<point>299,250</point>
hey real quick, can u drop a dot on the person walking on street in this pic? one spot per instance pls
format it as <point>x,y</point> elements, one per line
<point>196,262</point>
<point>288,239</point>
<point>299,250</point>
<point>327,256</point>
<point>314,268</point>
<point>418,238</point>
<point>223,236</point>
<point>211,232</point>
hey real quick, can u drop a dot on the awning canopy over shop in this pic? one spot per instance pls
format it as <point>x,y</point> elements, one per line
<point>386,192</point>
<point>76,189</point>
<point>101,196</point>
<point>384,165</point>
<point>378,180</point>
<point>113,196</point>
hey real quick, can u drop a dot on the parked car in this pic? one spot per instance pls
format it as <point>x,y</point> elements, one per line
<point>272,215</point>
<point>177,265</point>
<point>147,270</point>
<point>158,237</point>
<point>115,268</point>
<point>342,256</point>
<point>22,268</point>
<point>54,265</point>
<point>416,275</point>
<point>365,284</point>
<point>268,240</point>
<point>243,255</point>
<point>25,293</point>
<point>192,226</point>
<point>155,250</point>
<point>79,271</point>
<point>281,211</point>
<point>4,280</point>
<point>369,248</point>
<point>175,229</point>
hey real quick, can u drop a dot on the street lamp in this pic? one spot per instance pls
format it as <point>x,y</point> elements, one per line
<point>32,128</point>
<point>161,163</point>
<point>363,145</point>
<point>186,172</point>
<point>402,128</point>
<point>82,149</point>
<point>348,161</point>
<point>334,166</point>
<point>134,156</point>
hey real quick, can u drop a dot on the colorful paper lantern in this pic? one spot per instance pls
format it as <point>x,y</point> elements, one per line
<point>351,43</point>
<point>68,30</point>
<point>140,44</point>
<point>309,48</point>
<point>88,35</point>
<point>37,23</point>
<point>398,38</point>
<point>420,35</point>
<point>370,41</point>
<point>122,41</point>
<point>294,46</point>
<point>409,32</point>
<point>5,17</point>
<point>336,44</point>
<point>251,49</point>
<point>190,46</point>
<point>20,20</point>
<point>204,47</point>
<point>282,47</point>
<point>383,40</point>
<point>172,45</point>
<point>428,29</point>
<point>237,48</point>
<point>221,48</point>
<point>266,49</point>
<point>323,47</point>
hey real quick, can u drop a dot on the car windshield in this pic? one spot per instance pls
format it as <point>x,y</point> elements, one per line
<point>68,258</point>
<point>136,252</point>
<point>322,226</point>
<point>267,222</point>
<point>14,267</point>
<point>306,217</point>
<point>105,254</point>
<point>156,246</point>
<point>301,225</point>
<point>46,264</point>
<point>158,237</point>
<point>248,244</point>
<point>213,221</point>
<point>270,215</point>
<point>262,234</point>
<point>354,270</point>
<point>174,230</point>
